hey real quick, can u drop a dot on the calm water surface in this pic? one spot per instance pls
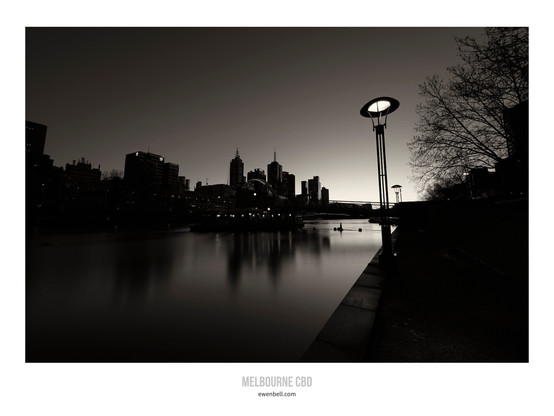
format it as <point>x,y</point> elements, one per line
<point>189,297</point>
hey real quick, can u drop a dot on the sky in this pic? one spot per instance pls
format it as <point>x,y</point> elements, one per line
<point>196,94</point>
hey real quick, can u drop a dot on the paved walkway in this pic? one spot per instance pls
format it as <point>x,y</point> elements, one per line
<point>436,303</point>
<point>345,336</point>
<point>442,304</point>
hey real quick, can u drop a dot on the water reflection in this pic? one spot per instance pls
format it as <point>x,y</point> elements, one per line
<point>181,296</point>
<point>250,252</point>
<point>142,268</point>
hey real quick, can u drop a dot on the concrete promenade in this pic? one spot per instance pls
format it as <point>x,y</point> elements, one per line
<point>345,336</point>
<point>457,293</point>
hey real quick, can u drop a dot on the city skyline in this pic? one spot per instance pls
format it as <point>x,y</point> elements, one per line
<point>194,95</point>
<point>122,172</point>
<point>233,170</point>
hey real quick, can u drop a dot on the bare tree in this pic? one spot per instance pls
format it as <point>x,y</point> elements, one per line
<point>113,174</point>
<point>461,123</point>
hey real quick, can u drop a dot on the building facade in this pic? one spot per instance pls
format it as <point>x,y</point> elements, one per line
<point>42,178</point>
<point>314,190</point>
<point>275,173</point>
<point>324,196</point>
<point>170,179</point>
<point>82,173</point>
<point>288,188</point>
<point>149,172</point>
<point>236,172</point>
<point>304,188</point>
<point>35,138</point>
<point>257,174</point>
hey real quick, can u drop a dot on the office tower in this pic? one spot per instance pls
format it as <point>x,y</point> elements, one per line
<point>39,166</point>
<point>304,188</point>
<point>236,174</point>
<point>314,189</point>
<point>275,173</point>
<point>35,138</point>
<point>182,181</point>
<point>170,179</point>
<point>289,185</point>
<point>144,170</point>
<point>257,174</point>
<point>40,173</point>
<point>324,196</point>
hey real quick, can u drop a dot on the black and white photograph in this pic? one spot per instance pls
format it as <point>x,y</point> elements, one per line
<point>275,214</point>
<point>235,195</point>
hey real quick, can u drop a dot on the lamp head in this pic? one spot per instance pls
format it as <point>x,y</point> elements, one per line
<point>378,109</point>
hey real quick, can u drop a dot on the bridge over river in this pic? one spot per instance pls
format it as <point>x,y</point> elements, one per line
<point>355,209</point>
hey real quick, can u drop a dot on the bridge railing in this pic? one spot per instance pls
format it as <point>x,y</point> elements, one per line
<point>361,204</point>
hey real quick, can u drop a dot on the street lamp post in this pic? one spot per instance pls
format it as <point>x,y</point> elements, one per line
<point>377,110</point>
<point>398,192</point>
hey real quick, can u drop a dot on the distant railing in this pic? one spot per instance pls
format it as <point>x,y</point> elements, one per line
<point>336,201</point>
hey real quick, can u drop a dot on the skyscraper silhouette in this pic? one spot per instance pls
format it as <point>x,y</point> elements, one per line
<point>257,174</point>
<point>314,189</point>
<point>144,170</point>
<point>35,138</point>
<point>275,173</point>
<point>236,174</point>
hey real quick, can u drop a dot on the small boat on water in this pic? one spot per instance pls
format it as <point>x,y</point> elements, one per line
<point>248,220</point>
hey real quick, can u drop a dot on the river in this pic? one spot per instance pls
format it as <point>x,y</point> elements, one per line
<point>180,296</point>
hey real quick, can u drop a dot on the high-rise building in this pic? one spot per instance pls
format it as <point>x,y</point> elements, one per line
<point>39,165</point>
<point>289,185</point>
<point>170,179</point>
<point>35,138</point>
<point>275,173</point>
<point>324,196</point>
<point>182,183</point>
<point>304,188</point>
<point>236,174</point>
<point>144,170</point>
<point>257,174</point>
<point>40,171</point>
<point>314,189</point>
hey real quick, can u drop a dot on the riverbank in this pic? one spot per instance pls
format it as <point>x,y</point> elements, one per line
<point>346,335</point>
